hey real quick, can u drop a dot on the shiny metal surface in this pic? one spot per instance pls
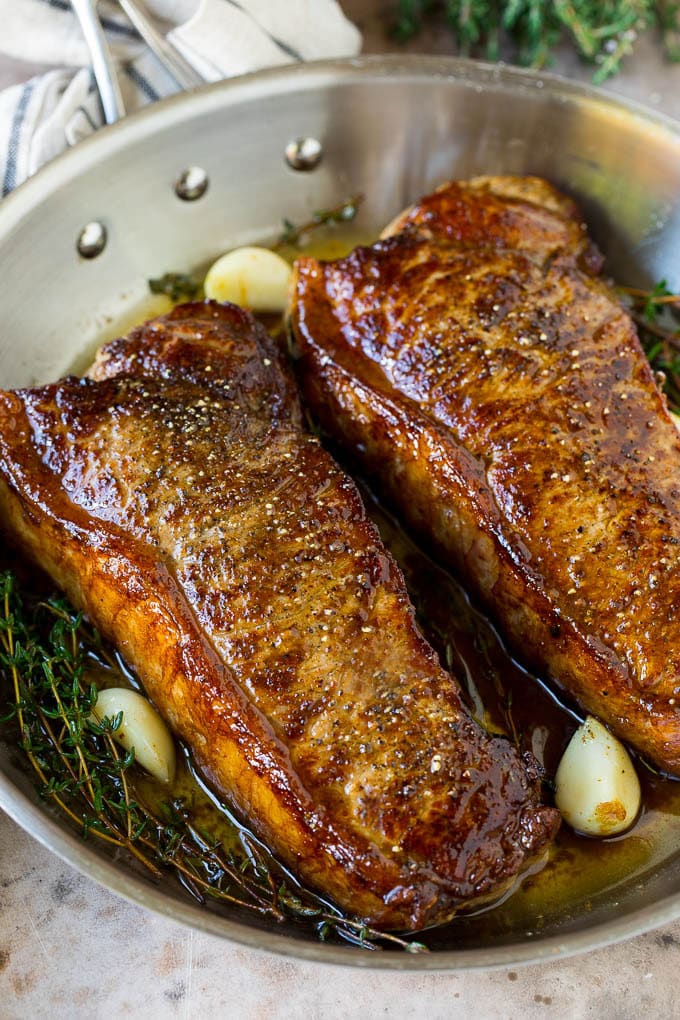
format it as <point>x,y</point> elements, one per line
<point>192,184</point>
<point>91,240</point>
<point>167,55</point>
<point>102,61</point>
<point>304,154</point>
<point>390,128</point>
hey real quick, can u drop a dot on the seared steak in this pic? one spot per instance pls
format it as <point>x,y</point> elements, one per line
<point>473,362</point>
<point>177,499</point>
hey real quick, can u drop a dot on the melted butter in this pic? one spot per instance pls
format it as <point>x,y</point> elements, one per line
<point>139,311</point>
<point>577,875</point>
<point>330,244</point>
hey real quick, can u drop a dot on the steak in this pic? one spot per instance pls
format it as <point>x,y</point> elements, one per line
<point>176,497</point>
<point>477,367</point>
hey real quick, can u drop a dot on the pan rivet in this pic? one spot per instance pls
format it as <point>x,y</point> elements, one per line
<point>91,240</point>
<point>304,153</point>
<point>191,184</point>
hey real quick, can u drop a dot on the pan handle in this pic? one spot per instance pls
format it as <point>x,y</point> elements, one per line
<point>102,61</point>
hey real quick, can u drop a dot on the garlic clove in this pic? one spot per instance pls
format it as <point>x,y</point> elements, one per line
<point>597,789</point>
<point>141,729</point>
<point>254,278</point>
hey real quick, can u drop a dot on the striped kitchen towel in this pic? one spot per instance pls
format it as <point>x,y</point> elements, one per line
<point>220,38</point>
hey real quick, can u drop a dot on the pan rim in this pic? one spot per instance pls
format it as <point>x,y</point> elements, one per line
<point>38,822</point>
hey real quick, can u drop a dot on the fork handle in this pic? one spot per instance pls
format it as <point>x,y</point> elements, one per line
<point>102,61</point>
<point>172,60</point>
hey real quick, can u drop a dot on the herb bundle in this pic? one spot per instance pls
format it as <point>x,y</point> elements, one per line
<point>529,30</point>
<point>47,651</point>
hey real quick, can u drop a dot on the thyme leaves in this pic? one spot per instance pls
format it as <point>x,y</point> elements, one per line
<point>602,34</point>
<point>177,286</point>
<point>346,211</point>
<point>46,654</point>
<point>655,313</point>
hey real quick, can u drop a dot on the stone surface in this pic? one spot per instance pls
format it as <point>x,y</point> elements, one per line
<point>70,949</point>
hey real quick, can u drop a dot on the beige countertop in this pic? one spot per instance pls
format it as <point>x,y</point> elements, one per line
<point>68,948</point>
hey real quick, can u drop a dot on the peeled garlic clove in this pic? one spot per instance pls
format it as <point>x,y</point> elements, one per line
<point>597,789</point>
<point>141,728</point>
<point>254,278</point>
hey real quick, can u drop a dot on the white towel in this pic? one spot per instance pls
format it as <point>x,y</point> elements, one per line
<point>220,38</point>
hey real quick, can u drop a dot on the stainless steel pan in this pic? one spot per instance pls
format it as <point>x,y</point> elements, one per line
<point>390,128</point>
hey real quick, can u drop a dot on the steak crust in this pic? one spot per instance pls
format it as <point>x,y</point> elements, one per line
<point>177,499</point>
<point>476,366</point>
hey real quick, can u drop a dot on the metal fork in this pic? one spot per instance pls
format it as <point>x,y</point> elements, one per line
<point>102,61</point>
<point>103,64</point>
<point>172,60</point>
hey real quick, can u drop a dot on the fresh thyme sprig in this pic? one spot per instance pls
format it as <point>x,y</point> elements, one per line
<point>46,652</point>
<point>602,33</point>
<point>653,312</point>
<point>344,212</point>
<point>177,286</point>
